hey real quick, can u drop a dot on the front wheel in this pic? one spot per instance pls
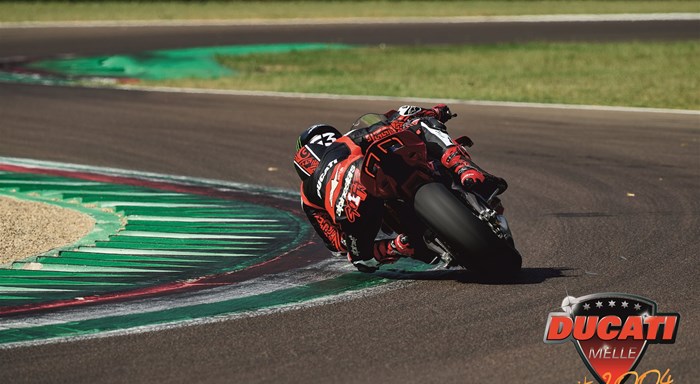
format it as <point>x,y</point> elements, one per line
<point>474,245</point>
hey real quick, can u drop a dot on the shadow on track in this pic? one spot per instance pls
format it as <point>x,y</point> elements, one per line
<point>526,276</point>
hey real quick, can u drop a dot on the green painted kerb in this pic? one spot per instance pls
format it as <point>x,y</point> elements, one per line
<point>149,237</point>
<point>166,64</point>
<point>285,296</point>
<point>143,237</point>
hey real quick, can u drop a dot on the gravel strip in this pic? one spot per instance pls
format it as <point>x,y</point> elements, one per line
<point>30,228</point>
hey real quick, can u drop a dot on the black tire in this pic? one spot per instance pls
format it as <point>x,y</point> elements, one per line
<point>473,242</point>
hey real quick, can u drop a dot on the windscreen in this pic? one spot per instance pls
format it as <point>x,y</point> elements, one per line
<point>369,120</point>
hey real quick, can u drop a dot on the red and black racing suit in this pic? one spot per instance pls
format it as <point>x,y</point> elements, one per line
<point>344,215</point>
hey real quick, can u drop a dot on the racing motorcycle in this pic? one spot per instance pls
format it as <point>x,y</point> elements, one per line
<point>460,227</point>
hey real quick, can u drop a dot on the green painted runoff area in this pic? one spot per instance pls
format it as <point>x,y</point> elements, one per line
<point>198,63</point>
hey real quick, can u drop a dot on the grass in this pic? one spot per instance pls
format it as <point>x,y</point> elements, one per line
<point>632,74</point>
<point>658,74</point>
<point>13,11</point>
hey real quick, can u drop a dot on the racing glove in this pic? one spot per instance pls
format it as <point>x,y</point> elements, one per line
<point>443,113</point>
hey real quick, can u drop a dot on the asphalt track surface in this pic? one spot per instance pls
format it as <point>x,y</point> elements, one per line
<point>51,41</point>
<point>571,172</point>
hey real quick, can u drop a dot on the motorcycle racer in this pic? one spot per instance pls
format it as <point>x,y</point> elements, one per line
<point>336,203</point>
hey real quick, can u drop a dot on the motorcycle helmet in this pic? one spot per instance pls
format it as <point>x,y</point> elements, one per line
<point>318,134</point>
<point>311,145</point>
<point>409,110</point>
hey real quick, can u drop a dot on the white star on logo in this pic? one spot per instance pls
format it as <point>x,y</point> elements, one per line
<point>637,306</point>
<point>586,306</point>
<point>625,304</point>
<point>599,304</point>
<point>611,303</point>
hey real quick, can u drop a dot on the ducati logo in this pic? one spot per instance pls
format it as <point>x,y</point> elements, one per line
<point>611,331</point>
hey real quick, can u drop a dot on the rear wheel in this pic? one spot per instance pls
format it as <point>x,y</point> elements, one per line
<point>473,242</point>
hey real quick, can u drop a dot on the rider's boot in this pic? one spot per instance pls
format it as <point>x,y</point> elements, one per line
<point>457,160</point>
<point>401,247</point>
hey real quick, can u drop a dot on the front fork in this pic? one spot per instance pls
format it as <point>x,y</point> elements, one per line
<point>437,246</point>
<point>497,222</point>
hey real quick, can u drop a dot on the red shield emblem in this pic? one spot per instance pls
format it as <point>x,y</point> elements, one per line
<point>611,331</point>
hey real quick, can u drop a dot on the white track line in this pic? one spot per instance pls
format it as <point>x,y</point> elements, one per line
<point>171,235</point>
<point>4,289</point>
<point>87,268</point>
<point>221,185</point>
<point>328,96</point>
<point>135,194</point>
<point>360,20</point>
<point>152,252</point>
<point>197,219</point>
<point>61,183</point>
<point>111,204</point>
